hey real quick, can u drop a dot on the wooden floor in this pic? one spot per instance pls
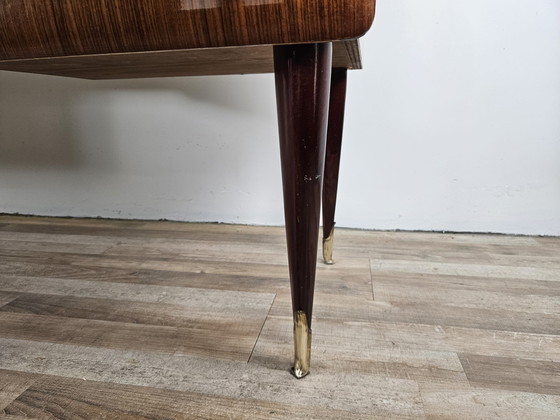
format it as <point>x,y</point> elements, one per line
<point>123,319</point>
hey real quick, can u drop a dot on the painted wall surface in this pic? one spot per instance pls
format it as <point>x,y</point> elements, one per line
<point>453,125</point>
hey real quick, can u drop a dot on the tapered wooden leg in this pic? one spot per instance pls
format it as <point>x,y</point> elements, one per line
<point>303,74</point>
<point>332,159</point>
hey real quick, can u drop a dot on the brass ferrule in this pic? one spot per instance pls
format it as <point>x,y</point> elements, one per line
<point>302,344</point>
<point>328,248</point>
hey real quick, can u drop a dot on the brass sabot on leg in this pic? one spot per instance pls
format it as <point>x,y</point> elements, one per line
<point>328,248</point>
<point>302,344</point>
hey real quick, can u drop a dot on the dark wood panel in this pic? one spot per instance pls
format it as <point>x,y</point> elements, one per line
<point>197,62</point>
<point>39,28</point>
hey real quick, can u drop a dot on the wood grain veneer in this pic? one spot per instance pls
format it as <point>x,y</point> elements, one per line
<point>58,28</point>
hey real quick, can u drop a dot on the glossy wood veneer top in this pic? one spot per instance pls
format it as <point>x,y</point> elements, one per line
<point>59,28</point>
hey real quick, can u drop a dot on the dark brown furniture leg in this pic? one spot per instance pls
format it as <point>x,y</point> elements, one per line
<point>332,158</point>
<point>303,74</point>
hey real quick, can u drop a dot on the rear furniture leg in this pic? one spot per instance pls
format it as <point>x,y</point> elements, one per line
<point>303,74</point>
<point>332,158</point>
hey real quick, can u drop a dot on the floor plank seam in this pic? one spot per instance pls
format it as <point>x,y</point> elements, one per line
<point>262,328</point>
<point>371,279</point>
<point>7,302</point>
<point>458,354</point>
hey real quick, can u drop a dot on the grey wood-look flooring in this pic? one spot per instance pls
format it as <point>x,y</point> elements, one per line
<point>129,319</point>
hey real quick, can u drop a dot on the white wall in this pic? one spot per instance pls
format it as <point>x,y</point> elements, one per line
<point>453,125</point>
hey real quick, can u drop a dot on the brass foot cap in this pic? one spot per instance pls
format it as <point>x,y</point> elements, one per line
<point>328,248</point>
<point>302,345</point>
<point>299,373</point>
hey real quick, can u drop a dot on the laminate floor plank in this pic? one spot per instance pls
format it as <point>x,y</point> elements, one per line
<point>169,315</point>
<point>227,323</point>
<point>364,396</point>
<point>505,256</point>
<point>549,241</point>
<point>411,335</point>
<point>394,285</point>
<point>400,241</point>
<point>424,312</point>
<point>243,304</point>
<point>355,309</point>
<point>369,238</point>
<point>53,238</point>
<point>371,244</point>
<point>477,254</point>
<point>143,247</point>
<point>136,264</point>
<point>215,342</point>
<point>91,399</point>
<point>195,263</point>
<point>537,376</point>
<point>145,319</point>
<point>353,282</point>
<point>489,404</point>
<point>63,268</point>
<point>182,288</point>
<point>333,351</point>
<point>450,248</point>
<point>92,224</point>
<point>475,270</point>
<point>13,384</point>
<point>150,230</point>
<point>52,247</point>
<point>457,294</point>
<point>6,297</point>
